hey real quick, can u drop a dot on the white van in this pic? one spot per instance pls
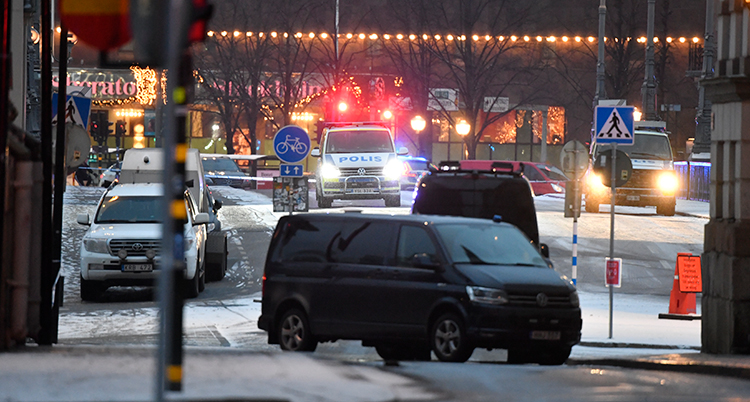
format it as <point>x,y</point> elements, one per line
<point>358,161</point>
<point>146,165</point>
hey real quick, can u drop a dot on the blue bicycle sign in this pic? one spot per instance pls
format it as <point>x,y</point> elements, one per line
<point>291,144</point>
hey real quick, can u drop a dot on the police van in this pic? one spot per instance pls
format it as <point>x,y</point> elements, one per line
<point>358,161</point>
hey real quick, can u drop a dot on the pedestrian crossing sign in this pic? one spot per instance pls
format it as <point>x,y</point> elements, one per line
<point>614,124</point>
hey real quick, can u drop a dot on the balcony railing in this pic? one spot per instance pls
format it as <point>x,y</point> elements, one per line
<point>695,180</point>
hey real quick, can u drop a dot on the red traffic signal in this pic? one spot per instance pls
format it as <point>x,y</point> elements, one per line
<point>200,14</point>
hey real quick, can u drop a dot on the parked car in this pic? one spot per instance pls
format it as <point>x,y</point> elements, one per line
<point>544,178</point>
<point>221,171</point>
<point>414,168</point>
<point>497,191</point>
<point>412,284</point>
<point>122,246</point>
<point>111,174</point>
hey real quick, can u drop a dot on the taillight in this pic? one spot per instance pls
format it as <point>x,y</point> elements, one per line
<point>263,286</point>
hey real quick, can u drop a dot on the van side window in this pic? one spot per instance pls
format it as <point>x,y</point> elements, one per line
<point>362,242</point>
<point>414,240</point>
<point>306,241</point>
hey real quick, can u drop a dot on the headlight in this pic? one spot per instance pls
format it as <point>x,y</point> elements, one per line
<point>595,182</point>
<point>486,295</point>
<point>329,171</point>
<point>393,169</point>
<point>96,245</point>
<point>574,299</point>
<point>667,182</point>
<point>557,188</point>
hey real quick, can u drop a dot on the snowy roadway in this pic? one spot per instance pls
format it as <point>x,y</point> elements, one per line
<point>226,313</point>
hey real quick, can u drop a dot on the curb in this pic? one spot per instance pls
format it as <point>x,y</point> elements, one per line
<point>667,365</point>
<point>636,345</point>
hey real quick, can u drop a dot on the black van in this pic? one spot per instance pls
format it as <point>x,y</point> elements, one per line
<point>413,284</point>
<point>497,191</point>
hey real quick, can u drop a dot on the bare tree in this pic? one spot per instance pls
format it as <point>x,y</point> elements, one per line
<point>413,61</point>
<point>290,63</point>
<point>488,66</point>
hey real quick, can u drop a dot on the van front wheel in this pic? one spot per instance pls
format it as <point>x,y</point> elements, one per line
<point>294,332</point>
<point>448,339</point>
<point>393,200</point>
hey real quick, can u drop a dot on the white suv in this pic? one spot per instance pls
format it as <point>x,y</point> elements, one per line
<point>123,244</point>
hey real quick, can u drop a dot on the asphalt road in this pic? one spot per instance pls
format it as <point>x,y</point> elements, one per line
<point>648,244</point>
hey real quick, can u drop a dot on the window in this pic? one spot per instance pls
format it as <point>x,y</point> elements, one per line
<point>413,241</point>
<point>132,209</point>
<point>531,173</point>
<point>363,243</point>
<point>306,241</point>
<point>358,242</point>
<point>359,141</point>
<point>490,244</point>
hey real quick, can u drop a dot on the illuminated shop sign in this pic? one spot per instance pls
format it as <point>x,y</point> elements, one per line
<point>104,84</point>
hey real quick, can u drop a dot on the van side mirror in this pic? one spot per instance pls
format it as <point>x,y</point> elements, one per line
<point>201,219</point>
<point>217,205</point>
<point>315,152</point>
<point>423,260</point>
<point>403,151</point>
<point>83,219</point>
<point>544,249</point>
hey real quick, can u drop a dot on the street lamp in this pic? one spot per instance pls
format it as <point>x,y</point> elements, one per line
<point>418,124</point>
<point>462,127</point>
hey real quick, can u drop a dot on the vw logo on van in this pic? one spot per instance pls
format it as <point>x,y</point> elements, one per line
<point>137,246</point>
<point>361,171</point>
<point>541,299</point>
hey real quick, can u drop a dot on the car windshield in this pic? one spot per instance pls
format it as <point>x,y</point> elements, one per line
<point>359,141</point>
<point>553,172</point>
<point>645,146</point>
<point>490,244</point>
<point>417,164</point>
<point>220,165</point>
<point>130,209</point>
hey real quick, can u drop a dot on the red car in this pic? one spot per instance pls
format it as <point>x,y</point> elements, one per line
<point>544,178</point>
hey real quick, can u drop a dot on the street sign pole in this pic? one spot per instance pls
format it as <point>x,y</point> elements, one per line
<point>612,228</point>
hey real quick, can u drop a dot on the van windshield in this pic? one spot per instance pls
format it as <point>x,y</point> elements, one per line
<point>131,209</point>
<point>220,165</point>
<point>358,141</point>
<point>490,244</point>
<point>645,146</point>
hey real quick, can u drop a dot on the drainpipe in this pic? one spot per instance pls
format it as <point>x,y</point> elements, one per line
<point>19,283</point>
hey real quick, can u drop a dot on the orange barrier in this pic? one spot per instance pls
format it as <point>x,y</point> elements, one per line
<point>687,282</point>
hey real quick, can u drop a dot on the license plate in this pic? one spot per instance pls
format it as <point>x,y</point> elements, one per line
<point>361,190</point>
<point>545,335</point>
<point>634,198</point>
<point>137,267</point>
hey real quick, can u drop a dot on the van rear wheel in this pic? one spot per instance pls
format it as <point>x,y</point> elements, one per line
<point>294,332</point>
<point>323,201</point>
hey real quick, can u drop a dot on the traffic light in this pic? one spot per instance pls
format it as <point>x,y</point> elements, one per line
<point>119,132</point>
<point>200,14</point>
<point>95,130</point>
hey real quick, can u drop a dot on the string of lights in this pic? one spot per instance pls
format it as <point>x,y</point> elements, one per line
<point>449,37</point>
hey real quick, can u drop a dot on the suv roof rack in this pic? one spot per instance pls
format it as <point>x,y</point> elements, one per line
<point>330,124</point>
<point>495,168</point>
